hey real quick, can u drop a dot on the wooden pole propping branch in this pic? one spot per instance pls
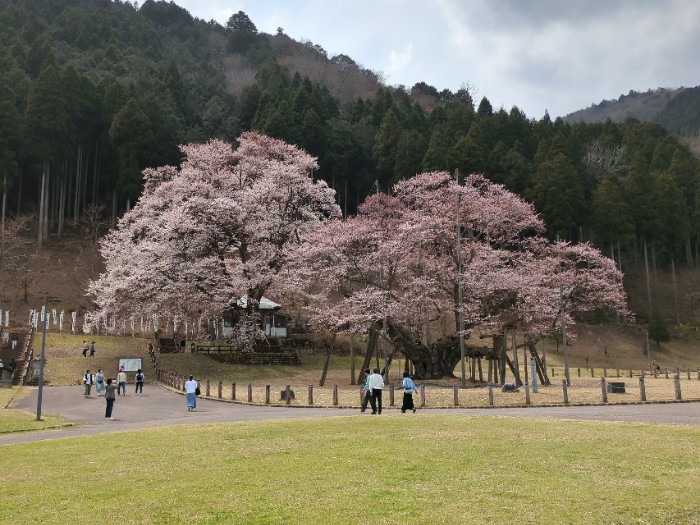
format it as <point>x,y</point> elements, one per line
<point>642,389</point>
<point>604,390</point>
<point>565,390</point>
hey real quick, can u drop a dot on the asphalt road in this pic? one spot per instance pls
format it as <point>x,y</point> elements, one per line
<point>159,406</point>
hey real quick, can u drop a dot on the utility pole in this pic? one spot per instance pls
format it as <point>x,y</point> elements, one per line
<point>460,317</point>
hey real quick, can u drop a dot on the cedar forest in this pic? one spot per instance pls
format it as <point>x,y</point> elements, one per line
<point>93,94</point>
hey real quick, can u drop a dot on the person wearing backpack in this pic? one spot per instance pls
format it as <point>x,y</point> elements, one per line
<point>139,381</point>
<point>88,381</point>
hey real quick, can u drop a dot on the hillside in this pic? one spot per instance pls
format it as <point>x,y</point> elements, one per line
<point>677,110</point>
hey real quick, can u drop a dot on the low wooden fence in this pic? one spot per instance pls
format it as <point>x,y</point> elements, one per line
<point>642,388</point>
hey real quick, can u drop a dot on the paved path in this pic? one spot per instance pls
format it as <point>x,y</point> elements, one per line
<point>159,406</point>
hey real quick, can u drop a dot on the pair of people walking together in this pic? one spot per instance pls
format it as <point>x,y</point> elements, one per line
<point>374,383</point>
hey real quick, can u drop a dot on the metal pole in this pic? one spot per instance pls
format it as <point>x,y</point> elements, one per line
<point>41,365</point>
<point>460,320</point>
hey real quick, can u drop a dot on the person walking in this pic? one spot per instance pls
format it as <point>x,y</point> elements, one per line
<point>92,349</point>
<point>121,382</point>
<point>139,381</point>
<point>409,388</point>
<point>376,383</point>
<point>365,388</point>
<point>85,348</point>
<point>191,388</point>
<point>88,381</point>
<point>110,397</point>
<point>15,339</point>
<point>100,382</point>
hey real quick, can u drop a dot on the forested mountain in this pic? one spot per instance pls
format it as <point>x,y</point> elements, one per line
<point>93,91</point>
<point>677,110</point>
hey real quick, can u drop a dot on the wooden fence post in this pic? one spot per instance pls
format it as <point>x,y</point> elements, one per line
<point>233,391</point>
<point>335,395</point>
<point>579,372</point>
<point>490,394</point>
<point>604,390</point>
<point>605,372</point>
<point>221,389</point>
<point>456,395</point>
<point>391,395</point>
<point>527,393</point>
<point>642,389</point>
<point>250,392</point>
<point>688,373</point>
<point>666,369</point>
<point>311,394</point>
<point>630,373</point>
<point>267,394</point>
<point>566,392</point>
<point>592,373</point>
<point>618,372</point>
<point>208,390</point>
<point>677,382</point>
<point>288,394</point>
<point>422,395</point>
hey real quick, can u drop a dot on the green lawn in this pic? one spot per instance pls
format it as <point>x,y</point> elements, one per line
<point>12,420</point>
<point>367,470</point>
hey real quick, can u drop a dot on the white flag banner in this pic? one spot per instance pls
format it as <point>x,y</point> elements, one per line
<point>31,316</point>
<point>74,321</point>
<point>35,319</point>
<point>43,312</point>
<point>133,325</point>
<point>0,316</point>
<point>174,326</point>
<point>54,316</point>
<point>7,318</point>
<point>60,320</point>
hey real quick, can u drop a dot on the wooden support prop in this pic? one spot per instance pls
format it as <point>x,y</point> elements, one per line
<point>604,390</point>
<point>250,392</point>
<point>516,373</point>
<point>642,389</point>
<point>490,394</point>
<point>233,391</point>
<point>371,348</point>
<point>456,395</point>
<point>267,394</point>
<point>481,372</point>
<point>328,361</point>
<point>335,395</point>
<point>422,395</point>
<point>565,389</point>
<point>553,374</point>
<point>221,389</point>
<point>311,394</point>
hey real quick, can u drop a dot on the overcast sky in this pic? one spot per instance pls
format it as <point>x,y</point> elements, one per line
<point>555,55</point>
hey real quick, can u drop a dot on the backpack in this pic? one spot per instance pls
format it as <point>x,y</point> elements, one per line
<point>139,377</point>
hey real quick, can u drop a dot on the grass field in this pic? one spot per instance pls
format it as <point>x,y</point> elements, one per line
<point>404,470</point>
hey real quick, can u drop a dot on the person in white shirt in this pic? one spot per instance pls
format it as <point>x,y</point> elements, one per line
<point>121,382</point>
<point>88,381</point>
<point>376,383</point>
<point>191,389</point>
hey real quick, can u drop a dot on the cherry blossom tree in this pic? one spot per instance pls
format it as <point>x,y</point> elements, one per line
<point>213,230</point>
<point>396,264</point>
